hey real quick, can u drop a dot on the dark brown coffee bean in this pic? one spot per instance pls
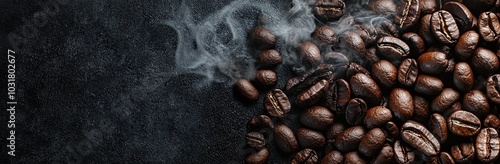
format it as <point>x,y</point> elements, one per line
<point>463,17</point>
<point>420,138</point>
<point>475,102</point>
<point>246,90</point>
<point>259,157</point>
<point>432,62</point>
<point>266,78</point>
<point>256,140</point>
<point>392,131</point>
<point>408,72</point>
<point>487,145</point>
<point>428,6</point>
<point>262,38</point>
<point>463,152</point>
<point>325,34</point>
<point>492,121</point>
<point>309,53</point>
<point>484,61</point>
<point>377,116</point>
<point>336,58</point>
<point>493,88</point>
<point>356,111</point>
<point>421,110</point>
<point>299,84</point>
<point>455,107</point>
<point>349,139</point>
<point>401,104</point>
<point>317,117</point>
<point>416,43</point>
<point>260,122</point>
<point>443,157</point>
<point>463,77</point>
<point>444,100</point>
<point>329,9</point>
<point>364,87</point>
<point>403,154</point>
<point>466,45</point>
<point>353,157</point>
<point>352,43</point>
<point>338,96</point>
<point>384,156</point>
<point>333,157</point>
<point>407,14</point>
<point>276,103</point>
<point>270,58</point>
<point>355,68</point>
<point>438,127</point>
<point>372,142</point>
<point>384,73</point>
<point>463,123</point>
<point>428,85</point>
<point>489,26</point>
<point>392,48</point>
<point>382,6</point>
<point>309,138</point>
<point>444,27</point>
<point>305,156</point>
<point>425,30</point>
<point>313,94</point>
<point>285,139</point>
<point>334,131</point>
<point>367,32</point>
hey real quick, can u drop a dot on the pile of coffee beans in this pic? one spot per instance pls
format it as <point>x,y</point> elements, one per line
<point>422,85</point>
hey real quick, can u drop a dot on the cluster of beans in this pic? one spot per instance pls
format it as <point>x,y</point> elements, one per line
<point>423,85</point>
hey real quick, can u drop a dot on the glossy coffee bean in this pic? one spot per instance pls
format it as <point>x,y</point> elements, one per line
<point>384,73</point>
<point>463,77</point>
<point>420,138</point>
<point>366,88</point>
<point>438,127</point>
<point>401,104</point>
<point>349,139</point>
<point>309,53</point>
<point>334,131</point>
<point>493,88</point>
<point>487,145</point>
<point>428,85</point>
<point>256,140</point>
<point>492,121</point>
<point>444,100</point>
<point>354,157</point>
<point>392,48</point>
<point>329,9</point>
<point>285,139</point>
<point>475,102</point>
<point>309,138</point>
<point>313,94</point>
<point>392,131</point>
<point>432,62</point>
<point>260,122</point>
<point>463,152</point>
<point>428,6</point>
<point>377,116</point>
<point>276,103</point>
<point>422,109</point>
<point>463,17</point>
<point>416,43</point>
<point>463,123</point>
<point>355,68</point>
<point>382,6</point>
<point>317,117</point>
<point>356,111</point>
<point>305,156</point>
<point>443,157</point>
<point>407,14</point>
<point>338,96</point>
<point>247,90</point>
<point>403,154</point>
<point>386,155</point>
<point>333,157</point>
<point>262,38</point>
<point>489,26</point>
<point>259,157</point>
<point>408,72</point>
<point>352,43</point>
<point>325,34</point>
<point>266,78</point>
<point>270,58</point>
<point>444,27</point>
<point>484,61</point>
<point>372,142</point>
<point>425,30</point>
<point>466,45</point>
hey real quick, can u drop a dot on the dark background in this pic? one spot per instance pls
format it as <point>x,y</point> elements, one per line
<point>96,61</point>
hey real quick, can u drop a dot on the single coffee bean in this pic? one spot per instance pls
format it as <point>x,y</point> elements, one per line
<point>246,90</point>
<point>334,131</point>
<point>266,78</point>
<point>401,104</point>
<point>392,48</point>
<point>256,140</point>
<point>464,124</point>
<point>329,9</point>
<point>421,110</point>
<point>352,43</point>
<point>428,6</point>
<point>310,138</point>
<point>493,88</point>
<point>420,138</point>
<point>492,121</point>
<point>382,6</point>
<point>416,43</point>
<point>463,152</point>
<point>355,68</point>
<point>325,34</point>
<point>466,45</point>
<point>425,30</point>
<point>367,32</point>
<point>408,72</point>
<point>484,61</point>
<point>356,111</point>
<point>487,145</point>
<point>337,58</point>
<point>384,156</point>
<point>270,58</point>
<point>299,84</point>
<point>366,88</point>
<point>260,122</point>
<point>377,116</point>
<point>309,53</point>
<point>463,77</point>
<point>333,157</point>
<point>403,154</point>
<point>262,38</point>
<point>489,26</point>
<point>372,142</point>
<point>384,73</point>
<point>444,27</point>
<point>313,94</point>
<point>305,156</point>
<point>285,139</point>
<point>463,17</point>
<point>349,139</point>
<point>392,131</point>
<point>354,157</point>
<point>438,127</point>
<point>444,100</point>
<point>428,85</point>
<point>407,14</point>
<point>259,157</point>
<point>432,62</point>
<point>317,117</point>
<point>475,101</point>
<point>338,96</point>
<point>276,103</point>
<point>443,157</point>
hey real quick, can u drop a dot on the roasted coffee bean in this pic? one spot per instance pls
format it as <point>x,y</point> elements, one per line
<point>349,139</point>
<point>305,156</point>
<point>392,48</point>
<point>372,142</point>
<point>260,122</point>
<point>403,154</point>
<point>484,61</point>
<point>256,140</point>
<point>329,9</point>
<point>364,87</point>
<point>415,42</point>
<point>464,124</point>
<point>384,73</point>
<point>325,34</point>
<point>407,13</point>
<point>428,85</point>
<point>455,107</point>
<point>259,157</point>
<point>444,27</point>
<point>392,131</point>
<point>334,131</point>
<point>401,104</point>
<point>247,90</point>
<point>420,138</point>
<point>299,84</point>
<point>262,38</point>
<point>355,68</point>
<point>382,6</point>
<point>338,96</point>
<point>428,6</point>
<point>489,26</point>
<point>444,100</point>
<point>310,138</point>
<point>475,102</point>
<point>352,43</point>
<point>408,72</point>
<point>493,88</point>
<point>276,103</point>
<point>336,58</point>
<point>333,157</point>
<point>377,116</point>
<point>463,17</point>
<point>443,157</point>
<point>317,117</point>
<point>425,30</point>
<point>356,111</point>
<point>437,126</point>
<point>451,66</point>
<point>421,110</point>
<point>367,32</point>
<point>266,78</point>
<point>463,77</point>
<point>492,121</point>
<point>487,145</point>
<point>313,94</point>
<point>270,58</point>
<point>285,139</point>
<point>353,157</point>
<point>432,62</point>
<point>384,156</point>
<point>466,45</point>
<point>309,53</point>
<point>463,152</point>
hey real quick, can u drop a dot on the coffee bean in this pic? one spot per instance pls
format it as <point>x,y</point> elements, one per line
<point>317,117</point>
<point>356,111</point>
<point>428,85</point>
<point>352,43</point>
<point>266,78</point>
<point>401,104</point>
<point>270,58</point>
<point>310,138</point>
<point>338,96</point>
<point>372,142</point>
<point>428,6</point>
<point>276,103</point>
<point>420,138</point>
<point>438,127</point>
<point>392,131</point>
<point>313,94</point>
<point>444,100</point>
<point>384,156</point>
<point>443,157</point>
<point>466,45</point>
<point>384,73</point>
<point>260,122</point>
<point>259,157</point>
<point>329,9</point>
<point>408,72</point>
<point>305,156</point>
<point>463,152</point>
<point>382,6</point>
<point>415,42</point>
<point>256,140</point>
<point>336,58</point>
<point>444,27</point>
<point>354,157</point>
<point>492,121</point>
<point>262,38</point>
<point>403,154</point>
<point>334,131</point>
<point>407,14</point>
<point>285,139</point>
<point>421,110</point>
<point>377,116</point>
<point>489,26</point>
<point>463,123</point>
<point>309,53</point>
<point>484,61</point>
<point>425,30</point>
<point>463,77</point>
<point>355,68</point>
<point>432,62</point>
<point>475,101</point>
<point>392,48</point>
<point>463,17</point>
<point>247,90</point>
<point>301,83</point>
<point>325,34</point>
<point>367,32</point>
<point>493,88</point>
<point>333,157</point>
<point>349,139</point>
<point>364,87</point>
<point>487,145</point>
